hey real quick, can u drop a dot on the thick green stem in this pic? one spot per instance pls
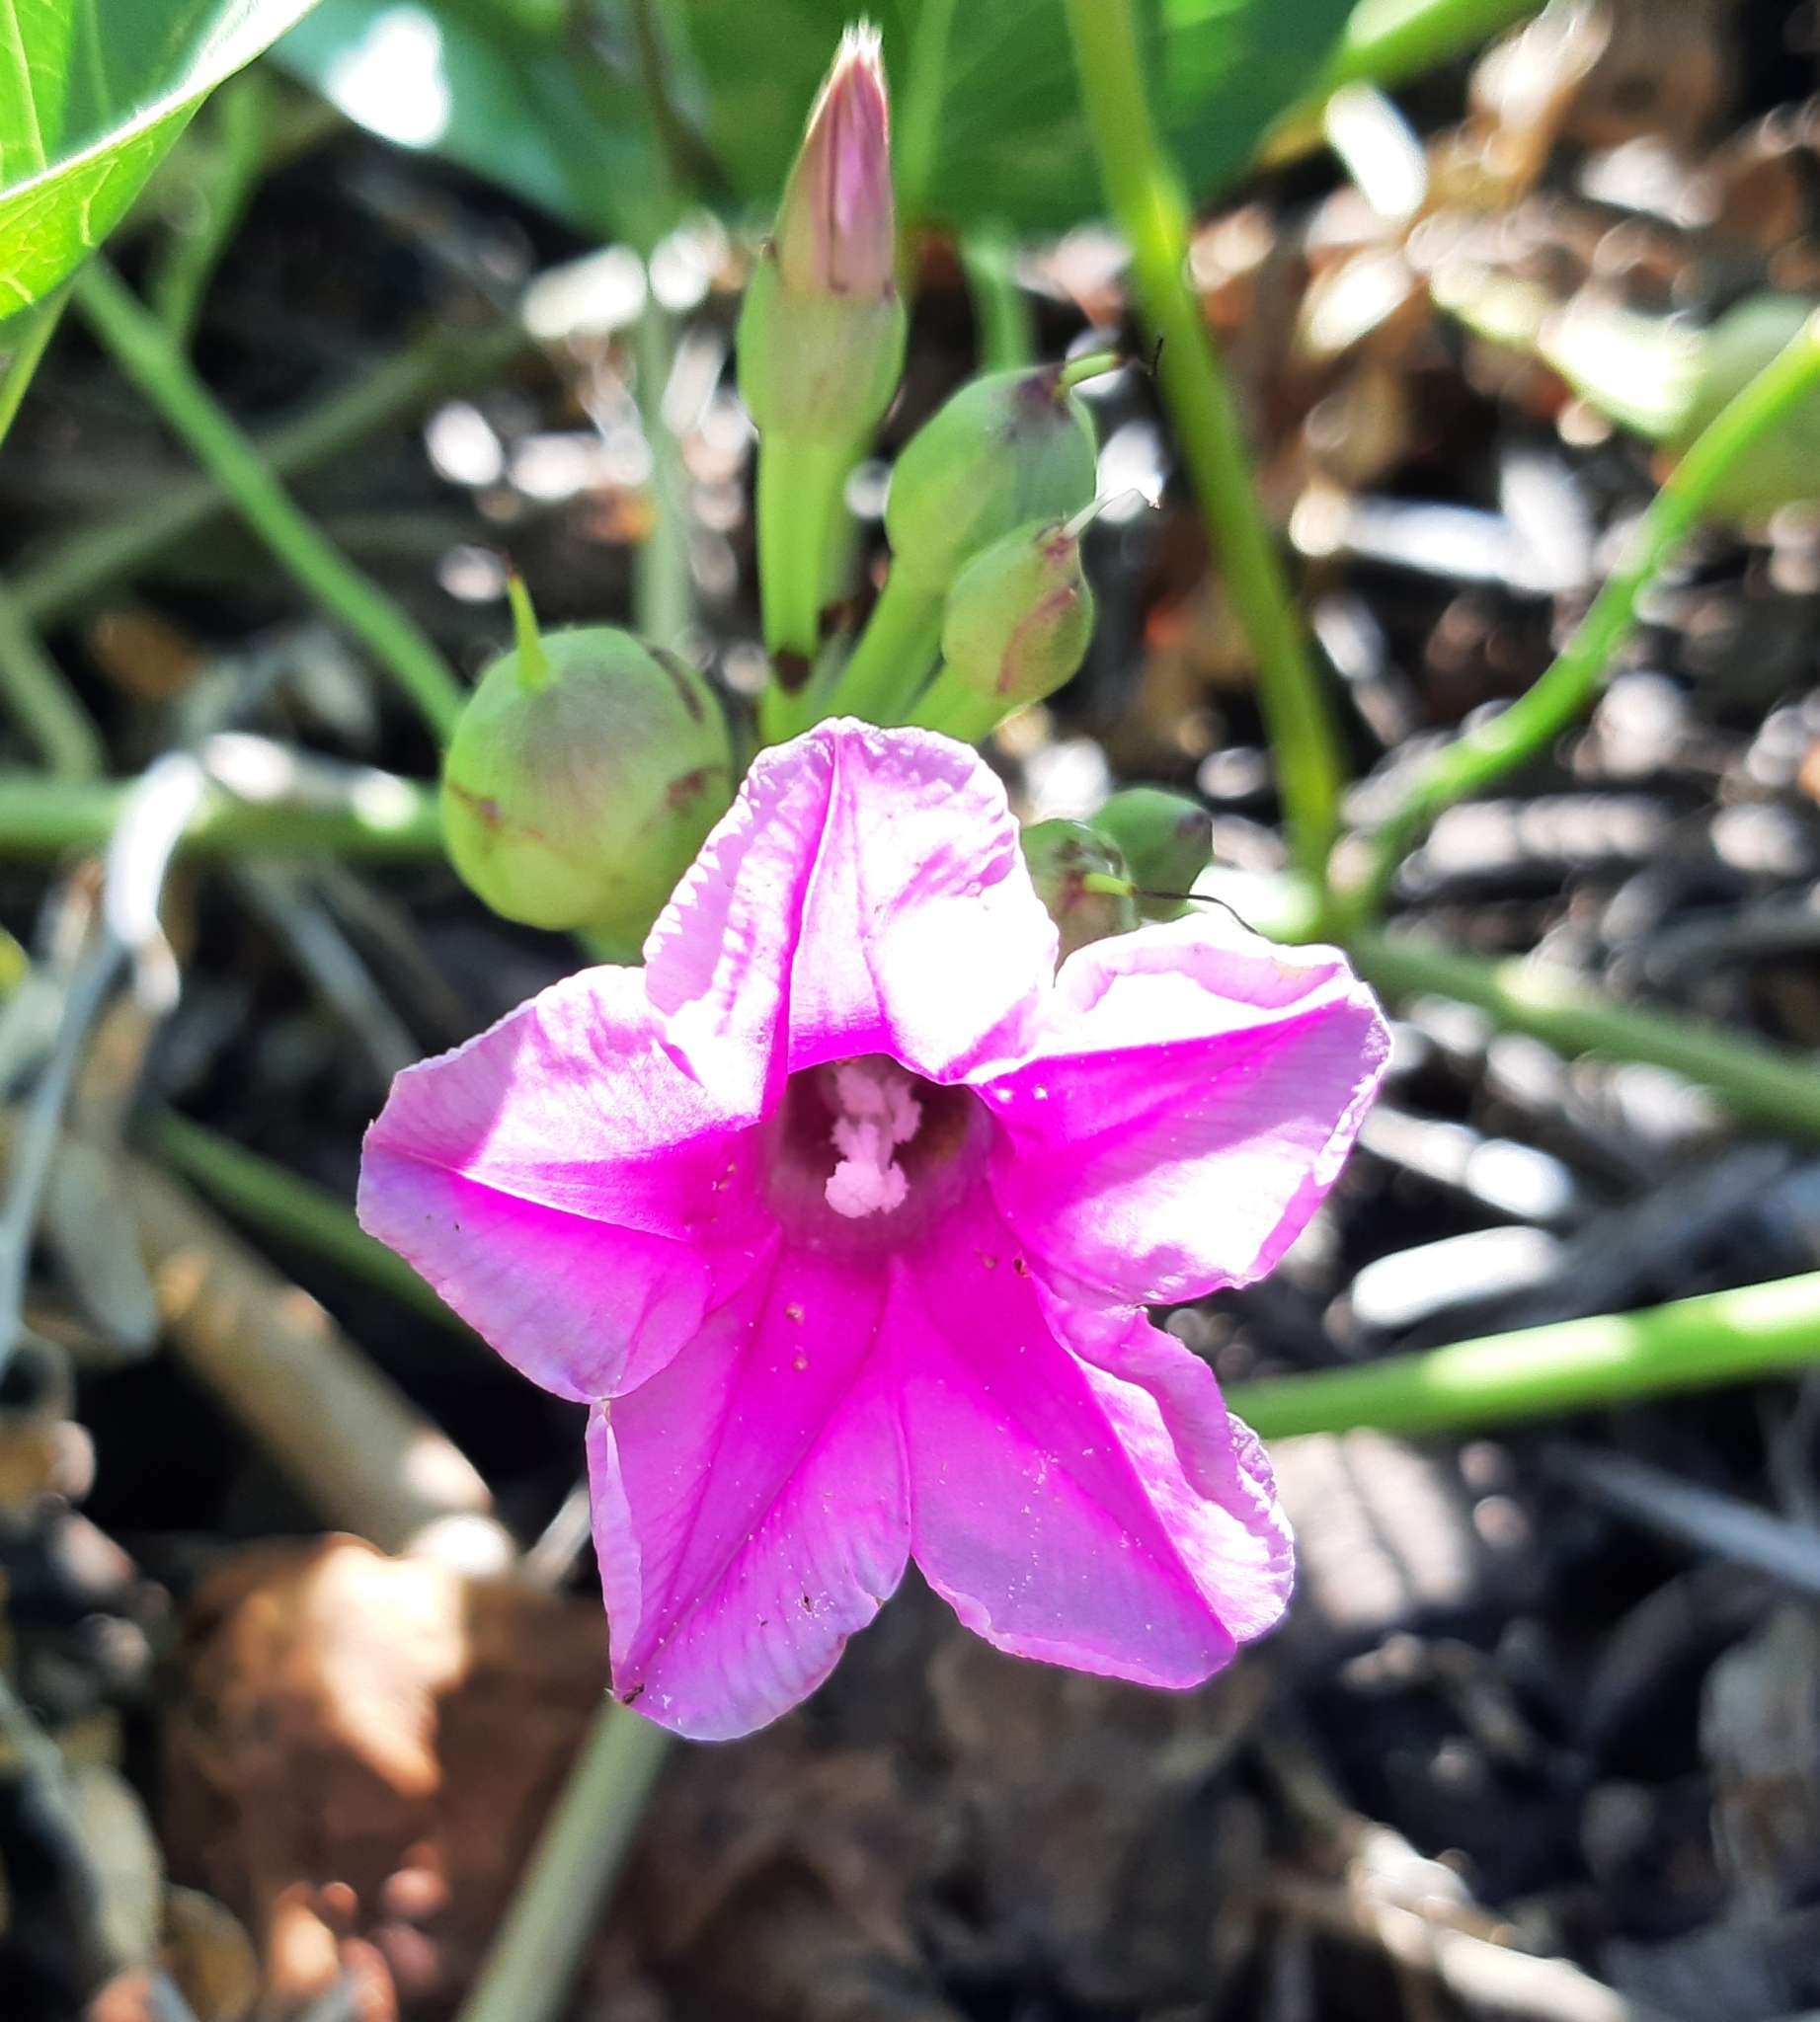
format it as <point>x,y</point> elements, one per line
<point>32,334</point>
<point>948,705</point>
<point>1724,1336</point>
<point>1386,42</point>
<point>919,111</point>
<point>1148,205</point>
<point>802,490</point>
<point>107,551</point>
<point>894,655</point>
<point>527,1975</point>
<point>1006,340</point>
<point>286,1205</point>
<point>390,819</point>
<point>1760,1082</point>
<point>143,349</point>
<point>43,700</point>
<point>1540,714</point>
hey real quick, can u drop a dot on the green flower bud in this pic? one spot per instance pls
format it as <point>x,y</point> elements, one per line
<point>584,774</point>
<point>1021,615</point>
<point>1783,464</point>
<point>1080,878</point>
<point>1006,449</point>
<point>1166,838</point>
<point>821,331</point>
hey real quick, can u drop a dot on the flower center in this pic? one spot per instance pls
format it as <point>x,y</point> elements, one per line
<point>862,1153</point>
<point>874,1113</point>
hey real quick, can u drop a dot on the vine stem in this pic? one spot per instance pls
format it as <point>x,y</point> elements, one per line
<point>36,326</point>
<point>895,653</point>
<point>1543,711</point>
<point>1151,209</point>
<point>43,700</point>
<point>921,109</point>
<point>145,352</point>
<point>1725,1337</point>
<point>528,1972</point>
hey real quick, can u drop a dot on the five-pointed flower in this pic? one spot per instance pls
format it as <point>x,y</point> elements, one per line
<point>842,1214</point>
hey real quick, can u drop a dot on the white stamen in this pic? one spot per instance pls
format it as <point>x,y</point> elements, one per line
<point>876,1114</point>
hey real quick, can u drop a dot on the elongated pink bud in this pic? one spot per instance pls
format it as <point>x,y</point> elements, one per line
<point>836,229</point>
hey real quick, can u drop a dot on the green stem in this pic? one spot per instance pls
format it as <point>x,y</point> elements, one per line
<point>948,705</point>
<point>1151,209</point>
<point>1723,1337</point>
<point>1001,310</point>
<point>1386,42</point>
<point>32,334</point>
<point>527,1975</point>
<point>44,818</point>
<point>143,349</point>
<point>1758,1081</point>
<point>43,700</point>
<point>894,655</point>
<point>284,1204</point>
<point>662,595</point>
<point>919,111</point>
<point>100,554</point>
<point>241,118</point>
<point>1542,712</point>
<point>801,503</point>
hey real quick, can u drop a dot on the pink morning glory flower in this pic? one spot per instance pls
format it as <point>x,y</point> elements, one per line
<point>842,1214</point>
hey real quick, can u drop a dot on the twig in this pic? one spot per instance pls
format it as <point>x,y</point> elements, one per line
<point>143,349</point>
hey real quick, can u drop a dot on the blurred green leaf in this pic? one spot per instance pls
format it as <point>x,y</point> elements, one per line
<point>1012,143</point>
<point>493,85</point>
<point>91,94</point>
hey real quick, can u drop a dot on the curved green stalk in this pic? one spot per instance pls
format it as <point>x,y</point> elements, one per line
<point>43,700</point>
<point>397,819</point>
<point>948,705</point>
<point>1543,711</point>
<point>800,500</point>
<point>1147,202</point>
<point>144,351</point>
<point>242,118</point>
<point>893,657</point>
<point>1001,311</point>
<point>1764,1083</point>
<point>1724,1336</point>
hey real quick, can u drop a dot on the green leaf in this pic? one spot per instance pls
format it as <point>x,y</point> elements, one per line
<point>1012,143</point>
<point>92,94</point>
<point>491,85</point>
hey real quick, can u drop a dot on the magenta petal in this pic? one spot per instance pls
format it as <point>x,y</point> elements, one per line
<point>748,1503</point>
<point>866,895</point>
<point>1194,1094</point>
<point>1065,1511</point>
<point>566,1189</point>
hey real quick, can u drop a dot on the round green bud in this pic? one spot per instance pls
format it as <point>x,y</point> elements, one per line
<point>1783,464</point>
<point>1166,838</point>
<point>1018,620</point>
<point>1080,878</point>
<point>1006,449</point>
<point>582,779</point>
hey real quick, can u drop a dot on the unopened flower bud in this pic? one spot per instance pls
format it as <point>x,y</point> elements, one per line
<point>1021,615</point>
<point>1006,449</point>
<point>1080,878</point>
<point>584,774</point>
<point>1166,840</point>
<point>821,331</point>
